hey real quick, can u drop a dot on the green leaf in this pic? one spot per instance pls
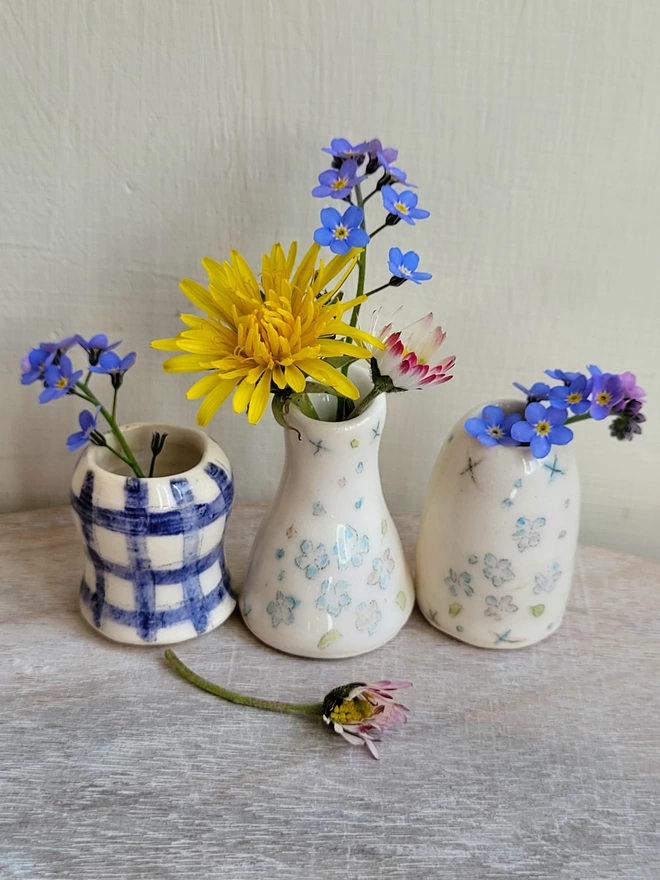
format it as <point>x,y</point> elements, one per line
<point>401,599</point>
<point>536,610</point>
<point>329,638</point>
<point>355,442</point>
<point>455,609</point>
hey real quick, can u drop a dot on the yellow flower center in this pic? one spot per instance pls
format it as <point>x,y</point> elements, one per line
<point>352,711</point>
<point>603,398</point>
<point>401,208</point>
<point>574,397</point>
<point>542,428</point>
<point>61,382</point>
<point>340,183</point>
<point>341,232</point>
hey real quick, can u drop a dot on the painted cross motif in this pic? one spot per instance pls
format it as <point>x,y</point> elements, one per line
<point>469,468</point>
<point>554,470</point>
<point>318,447</point>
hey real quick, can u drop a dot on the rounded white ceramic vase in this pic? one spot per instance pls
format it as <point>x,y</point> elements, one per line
<point>155,569</point>
<point>497,540</point>
<point>327,576</point>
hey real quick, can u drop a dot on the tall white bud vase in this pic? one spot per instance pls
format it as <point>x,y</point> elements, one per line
<point>497,540</point>
<point>327,576</point>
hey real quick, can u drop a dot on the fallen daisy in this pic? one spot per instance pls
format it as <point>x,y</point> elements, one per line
<point>359,712</point>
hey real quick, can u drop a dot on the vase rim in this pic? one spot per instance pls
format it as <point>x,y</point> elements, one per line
<point>189,436</point>
<point>376,408</point>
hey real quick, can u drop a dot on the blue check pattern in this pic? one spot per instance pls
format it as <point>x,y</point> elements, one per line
<point>136,523</point>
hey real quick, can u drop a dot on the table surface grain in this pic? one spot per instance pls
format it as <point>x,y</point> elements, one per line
<point>539,763</point>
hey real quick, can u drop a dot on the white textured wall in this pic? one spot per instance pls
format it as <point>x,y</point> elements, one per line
<point>140,135</point>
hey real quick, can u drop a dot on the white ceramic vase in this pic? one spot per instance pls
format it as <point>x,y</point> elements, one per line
<point>155,571</point>
<point>497,540</point>
<point>327,576</point>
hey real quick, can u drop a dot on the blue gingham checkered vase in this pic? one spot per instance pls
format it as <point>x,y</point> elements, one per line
<point>155,570</point>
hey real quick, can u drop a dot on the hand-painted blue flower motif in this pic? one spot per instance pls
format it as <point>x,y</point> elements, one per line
<point>59,380</point>
<point>382,569</point>
<point>403,205</point>
<point>527,532</point>
<point>405,266</point>
<point>493,428</point>
<point>279,553</point>
<point>495,606</point>
<point>538,391</point>
<point>368,616</point>
<point>341,233</point>
<point>112,365</point>
<point>96,346</point>
<point>574,396</point>
<point>338,182</point>
<point>350,548</point>
<point>312,559</point>
<point>34,364</point>
<point>543,428</point>
<point>545,583</point>
<point>340,148</point>
<point>606,392</point>
<point>281,609</point>
<point>334,597</point>
<point>318,509</point>
<point>87,422</point>
<point>497,571</point>
<point>561,376</point>
<point>457,582</point>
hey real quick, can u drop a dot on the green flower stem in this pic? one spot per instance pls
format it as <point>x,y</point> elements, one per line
<point>574,419</point>
<point>114,427</point>
<point>114,404</point>
<point>370,196</point>
<point>87,378</point>
<point>377,289</point>
<point>342,404</point>
<point>362,263</point>
<point>230,696</point>
<point>318,388</point>
<point>364,403</point>
<point>305,405</point>
<point>377,230</point>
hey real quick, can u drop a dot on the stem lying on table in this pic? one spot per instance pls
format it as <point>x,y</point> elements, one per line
<point>230,696</point>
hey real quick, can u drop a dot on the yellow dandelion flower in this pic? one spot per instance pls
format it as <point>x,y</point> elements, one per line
<point>274,332</point>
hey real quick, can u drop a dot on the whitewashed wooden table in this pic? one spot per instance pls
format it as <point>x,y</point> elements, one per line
<point>540,763</point>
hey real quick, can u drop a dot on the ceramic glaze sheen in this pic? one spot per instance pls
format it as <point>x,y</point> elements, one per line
<point>497,540</point>
<point>327,575</point>
<point>155,570</point>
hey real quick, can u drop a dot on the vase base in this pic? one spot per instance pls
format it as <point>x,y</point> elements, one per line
<point>180,632</point>
<point>497,641</point>
<point>332,651</point>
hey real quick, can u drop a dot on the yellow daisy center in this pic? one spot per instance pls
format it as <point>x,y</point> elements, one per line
<point>352,711</point>
<point>401,208</point>
<point>574,397</point>
<point>603,398</point>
